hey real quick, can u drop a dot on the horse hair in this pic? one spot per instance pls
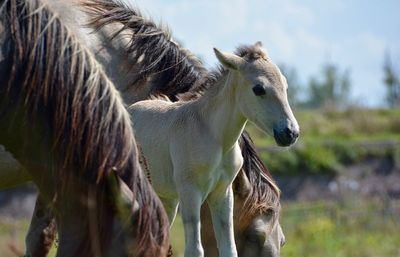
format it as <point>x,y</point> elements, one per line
<point>57,80</point>
<point>160,58</point>
<point>264,194</point>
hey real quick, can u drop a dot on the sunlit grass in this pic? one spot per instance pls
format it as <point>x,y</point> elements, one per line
<point>12,238</point>
<point>356,229</point>
<point>329,140</point>
<point>177,237</point>
<point>340,231</point>
<point>12,234</point>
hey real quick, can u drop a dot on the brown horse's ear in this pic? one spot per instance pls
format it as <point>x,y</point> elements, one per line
<point>230,61</point>
<point>241,185</point>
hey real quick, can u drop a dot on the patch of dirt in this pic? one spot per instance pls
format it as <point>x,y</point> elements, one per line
<point>372,177</point>
<point>17,203</point>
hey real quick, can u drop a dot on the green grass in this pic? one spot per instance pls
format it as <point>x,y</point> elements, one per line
<point>356,229</point>
<point>12,236</point>
<point>352,124</point>
<point>340,231</point>
<point>330,140</point>
<point>177,237</point>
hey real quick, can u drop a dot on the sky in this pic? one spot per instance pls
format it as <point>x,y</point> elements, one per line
<point>303,34</point>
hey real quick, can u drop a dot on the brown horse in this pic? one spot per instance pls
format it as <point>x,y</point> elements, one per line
<point>65,123</point>
<point>143,60</point>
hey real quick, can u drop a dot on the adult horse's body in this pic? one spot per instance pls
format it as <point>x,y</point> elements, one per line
<point>65,123</point>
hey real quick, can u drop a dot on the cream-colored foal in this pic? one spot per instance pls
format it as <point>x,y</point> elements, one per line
<point>191,148</point>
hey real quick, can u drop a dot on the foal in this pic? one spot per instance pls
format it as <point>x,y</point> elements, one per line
<point>191,148</point>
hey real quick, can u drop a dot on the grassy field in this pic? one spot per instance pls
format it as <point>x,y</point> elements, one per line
<point>330,140</point>
<point>340,230</point>
<point>312,230</point>
<point>353,124</point>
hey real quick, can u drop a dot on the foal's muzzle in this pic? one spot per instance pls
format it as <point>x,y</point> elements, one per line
<point>286,136</point>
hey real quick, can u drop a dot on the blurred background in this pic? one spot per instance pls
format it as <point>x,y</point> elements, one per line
<point>341,182</point>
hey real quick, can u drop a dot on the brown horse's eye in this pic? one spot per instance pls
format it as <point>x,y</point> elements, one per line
<point>259,90</point>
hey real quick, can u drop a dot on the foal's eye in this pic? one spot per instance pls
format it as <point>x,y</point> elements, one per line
<point>259,90</point>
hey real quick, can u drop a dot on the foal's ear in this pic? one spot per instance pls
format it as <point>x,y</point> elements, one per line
<point>241,185</point>
<point>230,61</point>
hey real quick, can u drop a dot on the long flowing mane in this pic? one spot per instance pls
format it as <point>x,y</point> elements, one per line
<point>170,68</point>
<point>179,75</point>
<point>59,83</point>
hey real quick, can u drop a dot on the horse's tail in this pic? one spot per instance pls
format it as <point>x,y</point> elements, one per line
<point>172,69</point>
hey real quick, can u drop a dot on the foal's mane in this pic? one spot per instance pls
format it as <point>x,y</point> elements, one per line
<point>58,81</point>
<point>179,75</point>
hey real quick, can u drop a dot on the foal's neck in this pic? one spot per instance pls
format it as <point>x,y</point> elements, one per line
<point>219,108</point>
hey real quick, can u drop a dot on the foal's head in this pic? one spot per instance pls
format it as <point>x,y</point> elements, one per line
<point>262,92</point>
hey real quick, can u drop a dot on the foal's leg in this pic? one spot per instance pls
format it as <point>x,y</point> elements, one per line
<point>221,207</point>
<point>42,230</point>
<point>190,201</point>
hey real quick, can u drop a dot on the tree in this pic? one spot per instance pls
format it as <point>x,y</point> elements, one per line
<point>392,83</point>
<point>332,90</point>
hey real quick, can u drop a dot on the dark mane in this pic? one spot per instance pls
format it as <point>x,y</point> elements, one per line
<point>265,194</point>
<point>170,68</point>
<point>59,83</point>
<point>180,76</point>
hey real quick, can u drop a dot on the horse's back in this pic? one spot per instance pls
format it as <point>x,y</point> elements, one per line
<point>152,114</point>
<point>152,132</point>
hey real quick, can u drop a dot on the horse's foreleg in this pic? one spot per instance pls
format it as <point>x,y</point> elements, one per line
<point>190,201</point>
<point>42,230</point>
<point>221,207</point>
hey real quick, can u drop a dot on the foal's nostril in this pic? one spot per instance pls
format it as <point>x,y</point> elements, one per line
<point>283,242</point>
<point>290,134</point>
<point>295,134</point>
<point>286,136</point>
